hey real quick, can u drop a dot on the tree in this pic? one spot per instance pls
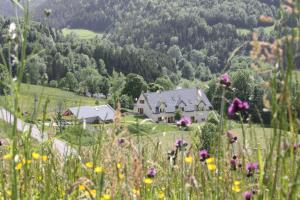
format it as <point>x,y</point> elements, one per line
<point>126,101</point>
<point>134,85</point>
<point>153,87</point>
<point>71,82</point>
<point>102,68</point>
<point>104,86</point>
<point>197,56</point>
<point>35,69</point>
<point>164,82</point>
<point>117,82</point>
<point>188,71</point>
<point>53,83</point>
<point>93,84</point>
<point>175,52</point>
<point>203,73</point>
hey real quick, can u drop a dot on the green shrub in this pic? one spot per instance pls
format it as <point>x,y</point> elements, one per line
<point>208,135</point>
<point>214,118</point>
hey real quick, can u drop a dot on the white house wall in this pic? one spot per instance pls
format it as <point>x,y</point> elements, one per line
<point>199,116</point>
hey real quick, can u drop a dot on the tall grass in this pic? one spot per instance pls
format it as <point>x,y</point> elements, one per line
<point>116,165</point>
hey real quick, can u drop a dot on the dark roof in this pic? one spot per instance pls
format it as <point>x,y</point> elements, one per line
<point>190,98</point>
<point>104,112</point>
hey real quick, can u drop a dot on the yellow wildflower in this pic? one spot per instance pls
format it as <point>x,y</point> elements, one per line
<point>105,197</point>
<point>148,181</point>
<point>236,183</point>
<point>35,155</point>
<point>97,169</point>
<point>19,166</point>
<point>189,159</point>
<point>210,160</point>
<point>89,165</point>
<point>39,178</point>
<point>28,162</point>
<point>161,195</point>
<point>81,187</point>
<point>44,158</point>
<point>93,193</point>
<point>119,165</point>
<point>136,191</point>
<point>8,192</point>
<point>7,156</point>
<point>236,188</point>
<point>211,167</point>
<point>121,176</point>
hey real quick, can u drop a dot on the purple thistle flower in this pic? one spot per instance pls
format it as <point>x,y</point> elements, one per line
<point>237,105</point>
<point>296,146</point>
<point>233,164</point>
<point>231,137</point>
<point>184,121</point>
<point>203,154</point>
<point>251,167</point>
<point>121,141</point>
<point>225,80</point>
<point>151,172</point>
<point>247,195</point>
<point>180,144</point>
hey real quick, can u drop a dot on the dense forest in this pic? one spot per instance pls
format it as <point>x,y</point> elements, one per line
<point>196,34</point>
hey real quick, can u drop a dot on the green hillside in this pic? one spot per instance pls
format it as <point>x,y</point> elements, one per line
<point>32,96</point>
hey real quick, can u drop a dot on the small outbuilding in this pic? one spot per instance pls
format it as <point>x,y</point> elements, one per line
<point>92,114</point>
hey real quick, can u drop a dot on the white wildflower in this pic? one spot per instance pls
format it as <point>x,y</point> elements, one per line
<point>12,31</point>
<point>12,28</point>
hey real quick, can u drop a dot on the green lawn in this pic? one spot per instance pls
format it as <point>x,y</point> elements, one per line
<point>57,98</point>
<point>267,30</point>
<point>81,33</point>
<point>254,135</point>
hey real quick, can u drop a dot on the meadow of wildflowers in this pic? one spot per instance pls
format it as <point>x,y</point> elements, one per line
<point>117,166</point>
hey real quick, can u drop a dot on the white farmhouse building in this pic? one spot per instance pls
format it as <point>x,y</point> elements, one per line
<point>161,106</point>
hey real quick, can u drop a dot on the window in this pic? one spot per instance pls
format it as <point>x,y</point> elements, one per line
<point>193,119</point>
<point>182,109</point>
<point>141,111</point>
<point>171,119</point>
<point>160,119</point>
<point>142,101</point>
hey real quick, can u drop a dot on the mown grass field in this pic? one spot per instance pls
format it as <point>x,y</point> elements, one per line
<point>81,33</point>
<point>267,30</point>
<point>35,96</point>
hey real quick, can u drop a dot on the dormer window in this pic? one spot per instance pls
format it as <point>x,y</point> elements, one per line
<point>201,106</point>
<point>182,109</point>
<point>142,101</point>
<point>157,109</point>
